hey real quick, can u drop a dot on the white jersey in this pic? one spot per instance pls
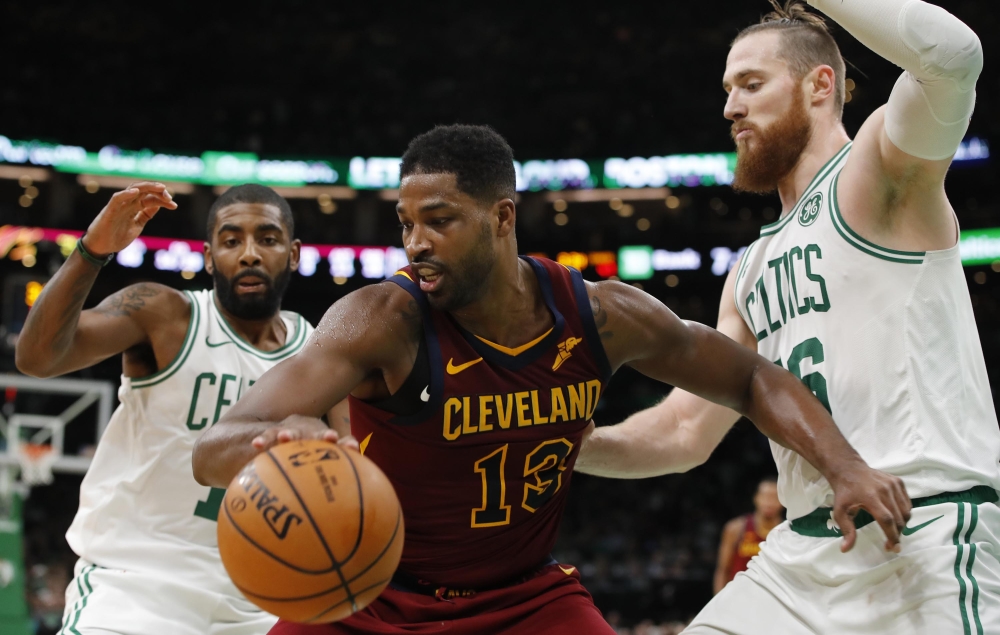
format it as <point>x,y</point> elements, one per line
<point>140,507</point>
<point>885,338</point>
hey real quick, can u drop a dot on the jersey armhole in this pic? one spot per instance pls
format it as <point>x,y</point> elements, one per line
<point>429,344</point>
<point>182,355</point>
<point>593,339</point>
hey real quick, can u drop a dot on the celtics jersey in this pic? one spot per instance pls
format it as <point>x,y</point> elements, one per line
<point>887,341</point>
<point>140,507</point>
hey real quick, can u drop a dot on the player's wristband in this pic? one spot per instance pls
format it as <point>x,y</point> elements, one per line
<point>89,257</point>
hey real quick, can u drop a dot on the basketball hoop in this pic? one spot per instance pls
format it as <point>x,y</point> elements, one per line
<point>36,461</point>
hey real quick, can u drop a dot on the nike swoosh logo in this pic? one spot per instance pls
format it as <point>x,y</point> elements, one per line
<point>426,394</point>
<point>454,370</point>
<point>912,530</point>
<point>211,345</point>
<point>566,570</point>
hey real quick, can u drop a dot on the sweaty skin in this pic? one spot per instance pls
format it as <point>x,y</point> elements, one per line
<point>367,341</point>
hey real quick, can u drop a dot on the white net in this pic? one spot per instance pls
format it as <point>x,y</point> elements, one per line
<point>36,462</point>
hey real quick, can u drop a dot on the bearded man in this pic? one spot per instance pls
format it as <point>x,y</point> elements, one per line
<point>858,290</point>
<point>145,530</point>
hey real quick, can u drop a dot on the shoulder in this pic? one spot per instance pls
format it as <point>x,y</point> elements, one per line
<point>378,310</point>
<point>735,526</point>
<point>147,302</point>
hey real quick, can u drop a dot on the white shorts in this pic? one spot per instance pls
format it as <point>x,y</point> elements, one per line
<point>103,601</point>
<point>944,581</point>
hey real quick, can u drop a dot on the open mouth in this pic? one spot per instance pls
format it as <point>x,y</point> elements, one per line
<point>428,279</point>
<point>251,284</point>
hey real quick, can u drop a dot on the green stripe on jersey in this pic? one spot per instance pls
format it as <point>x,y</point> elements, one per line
<point>868,247</point>
<point>823,172</point>
<point>186,347</point>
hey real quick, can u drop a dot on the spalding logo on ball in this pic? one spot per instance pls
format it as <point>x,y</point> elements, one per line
<point>310,531</point>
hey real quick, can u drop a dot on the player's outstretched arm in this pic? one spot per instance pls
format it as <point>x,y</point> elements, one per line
<point>676,435</point>
<point>58,336</point>
<point>903,151</point>
<point>358,337</point>
<point>638,330</point>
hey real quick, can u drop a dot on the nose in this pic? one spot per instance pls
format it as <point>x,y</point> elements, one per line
<point>250,256</point>
<point>735,108</point>
<point>416,243</point>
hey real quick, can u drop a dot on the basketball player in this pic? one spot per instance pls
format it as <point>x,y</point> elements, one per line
<point>741,537</point>
<point>473,374</point>
<point>858,290</point>
<point>145,531</point>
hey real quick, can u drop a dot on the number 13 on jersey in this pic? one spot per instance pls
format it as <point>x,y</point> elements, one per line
<point>543,468</point>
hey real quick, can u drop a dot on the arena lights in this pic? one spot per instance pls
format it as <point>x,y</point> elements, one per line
<point>980,246</point>
<point>684,169</point>
<point>360,173</point>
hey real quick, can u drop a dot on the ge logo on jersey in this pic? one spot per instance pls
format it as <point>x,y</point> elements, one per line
<point>810,211</point>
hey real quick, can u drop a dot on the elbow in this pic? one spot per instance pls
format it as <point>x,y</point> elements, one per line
<point>29,362</point>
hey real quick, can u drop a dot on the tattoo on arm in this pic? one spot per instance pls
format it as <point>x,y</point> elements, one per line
<point>600,318</point>
<point>411,315</point>
<point>127,301</point>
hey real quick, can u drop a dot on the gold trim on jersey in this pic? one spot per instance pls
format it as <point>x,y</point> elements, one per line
<point>514,351</point>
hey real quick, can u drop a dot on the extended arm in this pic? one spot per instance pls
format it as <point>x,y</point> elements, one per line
<point>677,434</point>
<point>357,337</point>
<point>58,336</point>
<point>930,106</point>
<point>639,331</point>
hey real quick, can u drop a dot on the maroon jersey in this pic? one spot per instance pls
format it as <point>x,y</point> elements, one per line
<point>482,470</point>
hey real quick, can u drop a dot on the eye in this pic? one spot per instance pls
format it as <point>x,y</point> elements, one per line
<point>752,86</point>
<point>406,226</point>
<point>440,221</point>
<point>230,242</point>
<point>270,240</point>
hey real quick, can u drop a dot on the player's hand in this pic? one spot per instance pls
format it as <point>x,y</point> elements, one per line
<point>295,428</point>
<point>124,217</point>
<point>881,495</point>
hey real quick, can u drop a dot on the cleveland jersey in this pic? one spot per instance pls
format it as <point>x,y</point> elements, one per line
<point>482,468</point>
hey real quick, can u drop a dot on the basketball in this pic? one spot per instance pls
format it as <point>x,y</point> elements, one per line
<point>310,531</point>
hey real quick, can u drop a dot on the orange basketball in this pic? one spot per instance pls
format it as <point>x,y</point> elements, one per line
<point>310,531</point>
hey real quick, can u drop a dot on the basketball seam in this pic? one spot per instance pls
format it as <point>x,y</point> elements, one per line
<point>312,521</point>
<point>361,510</point>
<point>291,566</point>
<point>392,539</point>
<point>353,603</point>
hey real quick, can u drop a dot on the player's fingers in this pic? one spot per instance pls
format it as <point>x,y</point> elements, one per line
<point>845,521</point>
<point>123,197</point>
<point>903,501</point>
<point>265,440</point>
<point>148,186</point>
<point>349,442</point>
<point>891,523</point>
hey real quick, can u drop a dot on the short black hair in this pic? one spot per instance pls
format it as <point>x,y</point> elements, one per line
<point>251,193</point>
<point>480,159</point>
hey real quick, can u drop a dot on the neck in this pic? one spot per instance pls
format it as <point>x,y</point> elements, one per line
<point>510,310</point>
<point>827,139</point>
<point>266,334</point>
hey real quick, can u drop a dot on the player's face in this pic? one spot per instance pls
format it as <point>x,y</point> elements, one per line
<point>251,257</point>
<point>766,500</point>
<point>771,126</point>
<point>449,237</point>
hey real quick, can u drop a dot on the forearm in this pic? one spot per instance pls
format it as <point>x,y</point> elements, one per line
<point>224,449</point>
<point>930,106</point>
<point>787,412</point>
<point>48,332</point>
<point>674,436</point>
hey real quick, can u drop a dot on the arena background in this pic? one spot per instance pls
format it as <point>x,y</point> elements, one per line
<point>346,87</point>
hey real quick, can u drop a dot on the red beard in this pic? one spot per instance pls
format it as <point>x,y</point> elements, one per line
<point>775,150</point>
